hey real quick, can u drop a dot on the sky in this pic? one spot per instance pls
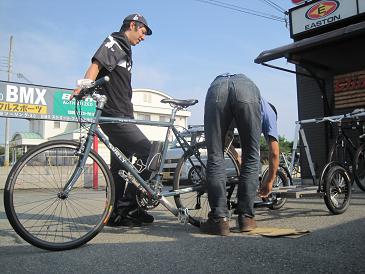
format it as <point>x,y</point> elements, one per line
<point>192,43</point>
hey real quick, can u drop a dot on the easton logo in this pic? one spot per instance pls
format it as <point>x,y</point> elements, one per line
<point>322,9</point>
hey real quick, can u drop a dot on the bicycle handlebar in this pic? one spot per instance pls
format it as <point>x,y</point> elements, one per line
<point>90,89</point>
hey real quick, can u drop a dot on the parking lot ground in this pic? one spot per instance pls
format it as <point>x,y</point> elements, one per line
<point>335,244</point>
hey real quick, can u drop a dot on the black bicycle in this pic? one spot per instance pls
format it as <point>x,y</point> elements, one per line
<point>346,152</point>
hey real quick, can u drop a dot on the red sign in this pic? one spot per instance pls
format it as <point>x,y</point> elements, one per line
<point>322,9</point>
<point>349,90</point>
<point>297,2</point>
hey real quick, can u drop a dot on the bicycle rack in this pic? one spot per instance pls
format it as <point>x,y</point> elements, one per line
<point>300,191</point>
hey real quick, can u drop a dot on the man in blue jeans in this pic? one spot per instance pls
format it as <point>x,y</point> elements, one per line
<point>232,97</point>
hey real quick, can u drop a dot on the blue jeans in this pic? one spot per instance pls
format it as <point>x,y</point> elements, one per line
<point>231,98</point>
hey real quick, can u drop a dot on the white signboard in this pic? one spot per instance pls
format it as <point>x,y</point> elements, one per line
<point>321,13</point>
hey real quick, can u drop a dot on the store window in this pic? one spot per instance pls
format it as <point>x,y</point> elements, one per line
<point>147,98</point>
<point>164,118</point>
<point>144,116</point>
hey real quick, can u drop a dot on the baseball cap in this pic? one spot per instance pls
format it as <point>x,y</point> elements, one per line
<point>138,18</point>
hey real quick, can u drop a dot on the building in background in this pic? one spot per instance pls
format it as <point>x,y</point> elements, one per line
<point>147,106</point>
<point>329,59</point>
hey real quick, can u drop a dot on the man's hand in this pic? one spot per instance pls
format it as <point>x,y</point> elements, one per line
<point>75,93</point>
<point>82,83</point>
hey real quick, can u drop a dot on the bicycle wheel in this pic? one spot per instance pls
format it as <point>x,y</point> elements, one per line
<point>324,173</point>
<point>38,211</point>
<point>280,181</point>
<point>359,167</point>
<point>341,152</point>
<point>197,201</point>
<point>337,189</point>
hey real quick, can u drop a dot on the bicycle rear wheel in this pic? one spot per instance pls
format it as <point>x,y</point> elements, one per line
<point>197,201</point>
<point>281,180</point>
<point>337,189</point>
<point>38,211</point>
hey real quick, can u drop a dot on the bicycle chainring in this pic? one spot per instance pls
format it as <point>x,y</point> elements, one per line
<point>145,200</point>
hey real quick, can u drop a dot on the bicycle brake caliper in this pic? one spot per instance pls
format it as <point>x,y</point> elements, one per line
<point>82,146</point>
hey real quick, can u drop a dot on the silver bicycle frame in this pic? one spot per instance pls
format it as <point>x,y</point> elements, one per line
<point>93,130</point>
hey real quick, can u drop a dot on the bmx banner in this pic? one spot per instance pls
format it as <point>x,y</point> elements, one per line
<point>18,100</point>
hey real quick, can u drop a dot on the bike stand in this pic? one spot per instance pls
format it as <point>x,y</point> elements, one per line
<point>299,191</point>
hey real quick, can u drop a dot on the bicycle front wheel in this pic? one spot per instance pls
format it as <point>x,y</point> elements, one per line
<point>191,172</point>
<point>359,167</point>
<point>337,189</point>
<point>37,207</point>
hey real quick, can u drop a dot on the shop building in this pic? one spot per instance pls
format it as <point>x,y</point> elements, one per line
<point>328,54</point>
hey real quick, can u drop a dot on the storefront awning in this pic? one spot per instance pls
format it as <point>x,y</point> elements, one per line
<point>332,52</point>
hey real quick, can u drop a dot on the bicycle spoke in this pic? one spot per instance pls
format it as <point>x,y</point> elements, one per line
<point>39,209</point>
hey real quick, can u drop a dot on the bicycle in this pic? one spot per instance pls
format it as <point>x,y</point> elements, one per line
<point>346,152</point>
<point>60,194</point>
<point>359,164</point>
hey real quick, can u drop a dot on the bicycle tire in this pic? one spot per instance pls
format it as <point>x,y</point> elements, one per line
<point>337,189</point>
<point>286,172</point>
<point>36,210</point>
<point>324,173</point>
<point>280,180</point>
<point>341,153</point>
<point>197,202</point>
<point>359,167</point>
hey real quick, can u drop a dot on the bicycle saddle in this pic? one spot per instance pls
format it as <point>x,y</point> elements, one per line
<point>181,103</point>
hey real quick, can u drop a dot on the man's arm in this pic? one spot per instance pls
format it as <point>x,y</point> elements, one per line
<point>266,186</point>
<point>93,70</point>
<point>91,73</point>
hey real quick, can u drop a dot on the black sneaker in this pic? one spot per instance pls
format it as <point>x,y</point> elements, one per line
<point>140,215</point>
<point>117,220</point>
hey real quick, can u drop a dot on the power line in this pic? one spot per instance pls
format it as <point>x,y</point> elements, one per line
<point>243,10</point>
<point>274,6</point>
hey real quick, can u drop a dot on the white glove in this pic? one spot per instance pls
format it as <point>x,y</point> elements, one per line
<point>85,83</point>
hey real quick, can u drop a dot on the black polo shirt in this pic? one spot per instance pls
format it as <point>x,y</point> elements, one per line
<point>115,56</point>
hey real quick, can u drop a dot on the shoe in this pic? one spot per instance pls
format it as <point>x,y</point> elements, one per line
<point>246,224</point>
<point>117,220</point>
<point>140,215</point>
<point>219,226</point>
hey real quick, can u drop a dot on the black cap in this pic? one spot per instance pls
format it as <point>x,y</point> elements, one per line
<point>138,18</point>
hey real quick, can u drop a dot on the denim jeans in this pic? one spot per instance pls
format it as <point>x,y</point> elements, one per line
<point>232,98</point>
<point>130,140</point>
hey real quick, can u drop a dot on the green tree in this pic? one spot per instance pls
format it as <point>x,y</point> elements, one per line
<point>284,145</point>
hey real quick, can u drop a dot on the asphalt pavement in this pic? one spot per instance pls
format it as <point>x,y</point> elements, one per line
<point>335,244</point>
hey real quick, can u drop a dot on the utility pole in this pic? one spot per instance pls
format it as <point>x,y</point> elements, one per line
<point>7,120</point>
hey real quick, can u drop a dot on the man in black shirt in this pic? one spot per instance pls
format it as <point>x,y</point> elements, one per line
<point>114,58</point>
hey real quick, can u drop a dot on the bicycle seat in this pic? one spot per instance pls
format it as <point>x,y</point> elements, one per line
<point>181,103</point>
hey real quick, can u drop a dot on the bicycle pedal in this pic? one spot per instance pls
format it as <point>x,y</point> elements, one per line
<point>183,215</point>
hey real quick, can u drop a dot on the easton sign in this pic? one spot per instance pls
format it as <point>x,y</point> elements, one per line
<point>317,14</point>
